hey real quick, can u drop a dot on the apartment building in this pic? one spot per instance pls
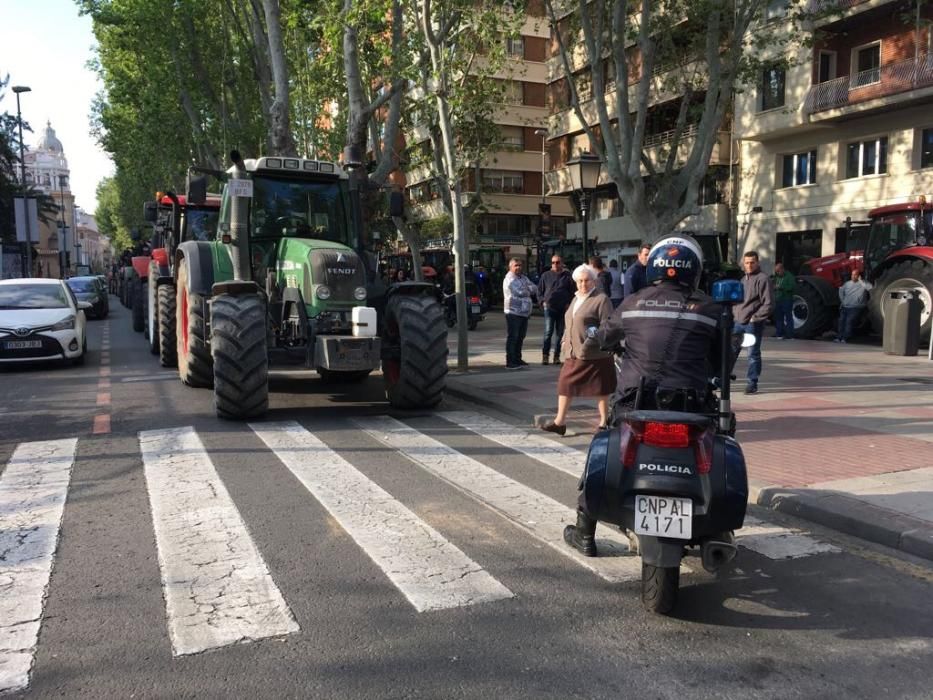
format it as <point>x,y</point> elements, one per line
<point>615,233</point>
<point>512,174</point>
<point>847,127</point>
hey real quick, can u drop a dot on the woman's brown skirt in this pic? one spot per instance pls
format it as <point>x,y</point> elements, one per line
<point>587,377</point>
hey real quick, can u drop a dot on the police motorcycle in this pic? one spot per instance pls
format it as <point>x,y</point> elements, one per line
<point>474,304</point>
<point>672,477</point>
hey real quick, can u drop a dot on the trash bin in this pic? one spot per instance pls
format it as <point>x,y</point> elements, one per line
<point>902,323</point>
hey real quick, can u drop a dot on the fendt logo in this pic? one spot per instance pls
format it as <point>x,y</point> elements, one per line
<point>665,469</point>
<point>341,270</point>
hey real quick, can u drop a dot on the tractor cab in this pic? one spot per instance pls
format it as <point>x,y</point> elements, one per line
<point>895,228</point>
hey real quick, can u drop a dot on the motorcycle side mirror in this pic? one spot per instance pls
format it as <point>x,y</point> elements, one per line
<point>748,340</point>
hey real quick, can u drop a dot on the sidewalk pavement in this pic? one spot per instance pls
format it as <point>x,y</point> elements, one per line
<point>838,434</point>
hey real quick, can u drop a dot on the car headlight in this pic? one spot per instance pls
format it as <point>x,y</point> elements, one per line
<point>359,293</point>
<point>322,292</point>
<point>66,324</point>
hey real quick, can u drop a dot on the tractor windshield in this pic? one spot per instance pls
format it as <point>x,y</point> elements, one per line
<point>300,208</point>
<point>892,232</point>
<point>201,224</point>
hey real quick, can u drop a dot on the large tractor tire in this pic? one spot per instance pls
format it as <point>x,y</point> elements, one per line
<point>812,317</point>
<point>139,306</point>
<point>191,334</point>
<point>152,312</point>
<point>241,360</point>
<point>417,377</point>
<point>907,275</point>
<point>168,356</point>
<point>659,586</point>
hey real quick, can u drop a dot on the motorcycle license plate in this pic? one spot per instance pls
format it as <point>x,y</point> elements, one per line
<point>22,344</point>
<point>475,309</point>
<point>664,516</point>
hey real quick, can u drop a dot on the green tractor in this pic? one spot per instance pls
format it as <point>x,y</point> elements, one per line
<point>287,281</point>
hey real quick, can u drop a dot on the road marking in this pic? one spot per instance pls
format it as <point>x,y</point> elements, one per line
<point>33,490</point>
<point>431,573</point>
<point>103,384</point>
<point>542,517</point>
<point>778,542</point>
<point>217,588</point>
<point>101,424</point>
<point>104,372</point>
<point>563,457</point>
<point>103,398</point>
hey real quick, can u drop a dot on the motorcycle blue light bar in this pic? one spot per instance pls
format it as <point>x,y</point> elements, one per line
<point>728,292</point>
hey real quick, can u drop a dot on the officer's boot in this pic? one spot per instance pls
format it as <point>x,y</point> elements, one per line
<point>582,535</point>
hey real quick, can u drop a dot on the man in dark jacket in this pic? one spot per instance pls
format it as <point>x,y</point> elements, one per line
<point>751,314</point>
<point>555,290</point>
<point>603,277</point>
<point>672,348</point>
<point>635,277</point>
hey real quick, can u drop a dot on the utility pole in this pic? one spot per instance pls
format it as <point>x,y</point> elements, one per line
<point>63,244</point>
<point>22,169</point>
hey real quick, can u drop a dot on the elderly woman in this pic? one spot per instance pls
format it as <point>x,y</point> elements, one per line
<point>587,370</point>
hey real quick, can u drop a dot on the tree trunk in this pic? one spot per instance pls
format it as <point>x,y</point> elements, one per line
<point>283,143</point>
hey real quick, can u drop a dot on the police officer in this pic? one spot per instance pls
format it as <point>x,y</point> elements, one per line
<point>672,348</point>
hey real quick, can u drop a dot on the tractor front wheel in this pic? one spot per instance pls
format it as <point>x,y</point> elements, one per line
<point>415,370</point>
<point>168,356</point>
<point>241,362</point>
<point>139,305</point>
<point>152,310</point>
<point>192,352</point>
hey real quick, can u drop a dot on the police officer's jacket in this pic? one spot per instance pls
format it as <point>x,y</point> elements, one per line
<point>671,338</point>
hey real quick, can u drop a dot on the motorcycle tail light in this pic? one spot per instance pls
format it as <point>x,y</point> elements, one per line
<point>474,300</point>
<point>667,434</point>
<point>704,451</point>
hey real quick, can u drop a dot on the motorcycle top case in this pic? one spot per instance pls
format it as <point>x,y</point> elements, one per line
<point>720,497</point>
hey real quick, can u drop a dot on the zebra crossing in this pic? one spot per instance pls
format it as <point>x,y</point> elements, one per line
<point>216,585</point>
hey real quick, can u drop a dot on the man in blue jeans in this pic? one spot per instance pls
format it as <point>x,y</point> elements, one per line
<point>751,314</point>
<point>518,293</point>
<point>555,290</point>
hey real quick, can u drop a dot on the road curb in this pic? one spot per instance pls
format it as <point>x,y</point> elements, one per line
<point>834,510</point>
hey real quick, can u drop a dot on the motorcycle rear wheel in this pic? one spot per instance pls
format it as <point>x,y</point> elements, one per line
<point>659,587</point>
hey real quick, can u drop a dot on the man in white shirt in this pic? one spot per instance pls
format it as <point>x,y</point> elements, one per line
<point>518,293</point>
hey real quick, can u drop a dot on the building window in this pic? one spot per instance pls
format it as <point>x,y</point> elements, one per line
<point>866,64</point>
<point>505,181</point>
<point>513,92</point>
<point>926,148</point>
<point>827,66</point>
<point>512,138</point>
<point>799,169</point>
<point>584,85</point>
<point>515,47</point>
<point>772,88</point>
<point>867,157</point>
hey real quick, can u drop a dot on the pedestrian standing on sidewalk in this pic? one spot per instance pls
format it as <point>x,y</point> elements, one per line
<point>555,290</point>
<point>616,291</point>
<point>587,370</point>
<point>635,277</point>
<point>518,294</point>
<point>853,298</point>
<point>750,316</point>
<point>603,278</point>
<point>784,286</point>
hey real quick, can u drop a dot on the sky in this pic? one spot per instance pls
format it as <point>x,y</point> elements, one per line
<point>45,44</point>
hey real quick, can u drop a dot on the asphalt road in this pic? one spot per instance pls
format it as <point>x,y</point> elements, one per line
<point>520,619</point>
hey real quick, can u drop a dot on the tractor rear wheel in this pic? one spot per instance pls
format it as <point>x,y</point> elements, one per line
<point>168,356</point>
<point>139,305</point>
<point>152,311</point>
<point>241,361</point>
<point>191,349</point>
<point>415,373</point>
<point>908,275</point>
<point>812,317</point>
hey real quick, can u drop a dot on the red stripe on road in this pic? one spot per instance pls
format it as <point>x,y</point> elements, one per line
<point>103,398</point>
<point>104,371</point>
<point>101,424</point>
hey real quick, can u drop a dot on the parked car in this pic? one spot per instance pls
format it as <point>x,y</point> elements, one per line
<point>41,319</point>
<point>93,291</point>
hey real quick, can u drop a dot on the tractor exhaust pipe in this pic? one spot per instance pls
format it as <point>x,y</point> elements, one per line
<point>717,553</point>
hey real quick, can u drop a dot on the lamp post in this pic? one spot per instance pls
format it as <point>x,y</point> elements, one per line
<point>63,241</point>
<point>22,169</point>
<point>584,175</point>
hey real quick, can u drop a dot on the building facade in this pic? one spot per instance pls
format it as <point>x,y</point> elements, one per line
<point>844,128</point>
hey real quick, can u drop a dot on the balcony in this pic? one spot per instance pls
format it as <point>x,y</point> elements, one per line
<point>870,85</point>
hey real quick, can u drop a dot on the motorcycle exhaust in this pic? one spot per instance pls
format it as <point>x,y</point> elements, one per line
<point>718,553</point>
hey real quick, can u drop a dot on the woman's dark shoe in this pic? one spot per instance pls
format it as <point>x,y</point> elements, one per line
<point>582,535</point>
<point>552,427</point>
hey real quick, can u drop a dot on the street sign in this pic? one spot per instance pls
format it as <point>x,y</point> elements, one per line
<point>19,213</point>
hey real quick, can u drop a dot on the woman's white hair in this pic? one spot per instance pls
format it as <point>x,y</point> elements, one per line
<point>582,270</point>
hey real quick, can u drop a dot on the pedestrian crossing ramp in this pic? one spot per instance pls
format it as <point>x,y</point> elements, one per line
<point>218,589</point>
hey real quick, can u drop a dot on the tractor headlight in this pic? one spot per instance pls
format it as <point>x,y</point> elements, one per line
<point>322,292</point>
<point>66,324</point>
<point>359,293</point>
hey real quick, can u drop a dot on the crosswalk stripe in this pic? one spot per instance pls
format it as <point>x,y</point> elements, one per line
<point>778,542</point>
<point>431,572</point>
<point>541,516</point>
<point>563,457</point>
<point>218,590</point>
<point>33,490</point>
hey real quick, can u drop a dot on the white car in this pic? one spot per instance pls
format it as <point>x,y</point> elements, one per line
<point>40,319</point>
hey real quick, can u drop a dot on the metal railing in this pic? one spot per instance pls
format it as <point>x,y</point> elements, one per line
<point>830,5</point>
<point>667,136</point>
<point>889,79</point>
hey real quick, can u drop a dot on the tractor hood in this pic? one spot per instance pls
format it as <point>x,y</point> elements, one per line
<point>312,265</point>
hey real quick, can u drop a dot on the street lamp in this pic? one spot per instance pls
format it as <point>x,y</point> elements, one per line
<point>63,246</point>
<point>584,176</point>
<point>22,169</point>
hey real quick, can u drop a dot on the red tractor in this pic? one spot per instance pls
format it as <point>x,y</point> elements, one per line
<point>897,256</point>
